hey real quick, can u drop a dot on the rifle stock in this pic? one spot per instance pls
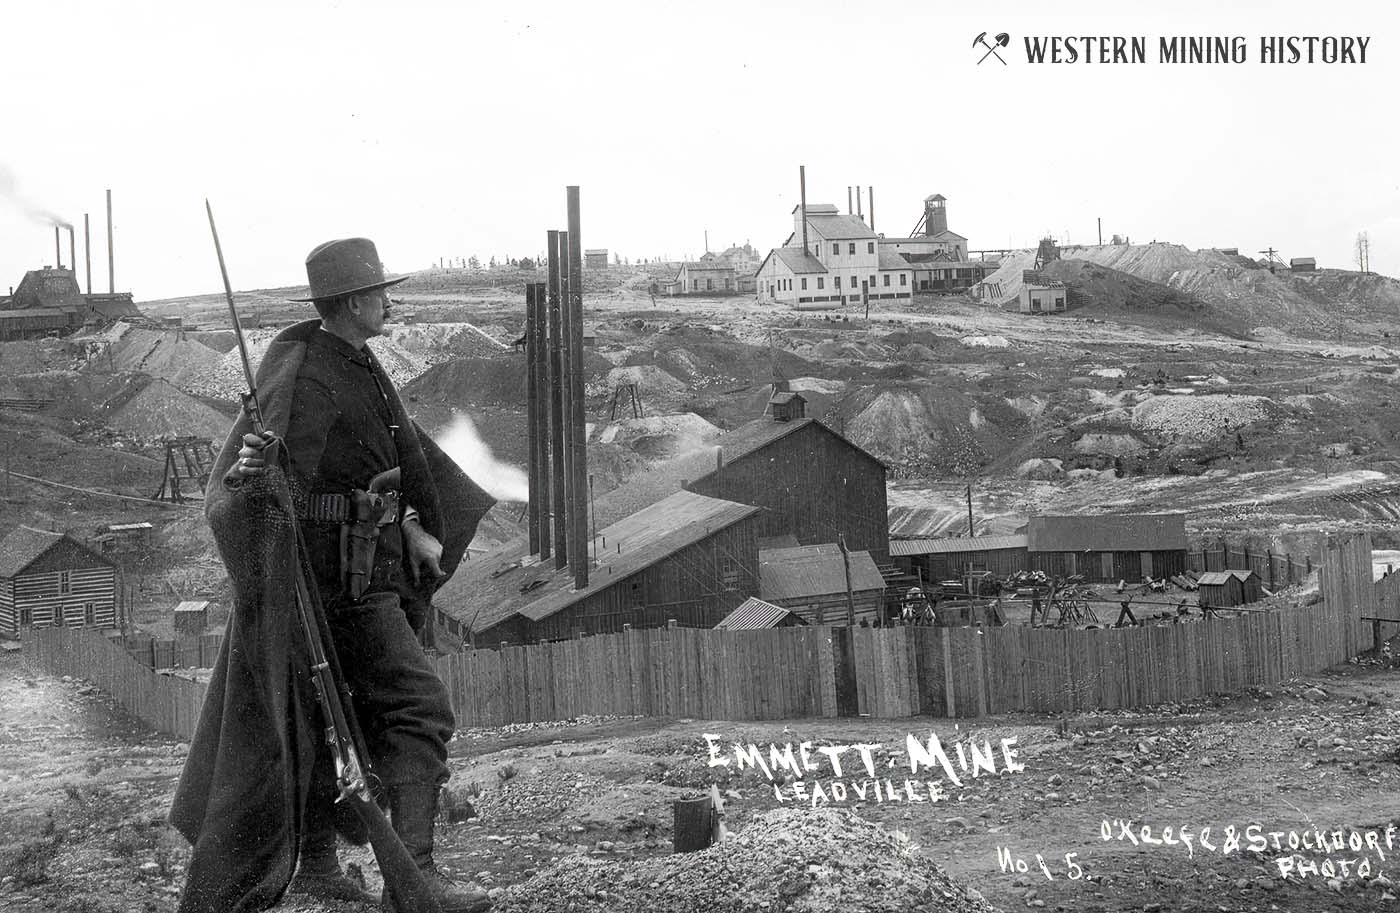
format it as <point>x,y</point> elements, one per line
<point>403,880</point>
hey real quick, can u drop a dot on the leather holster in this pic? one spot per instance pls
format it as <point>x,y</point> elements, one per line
<point>359,535</point>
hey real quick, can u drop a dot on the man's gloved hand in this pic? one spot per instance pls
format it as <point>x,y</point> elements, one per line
<point>250,462</point>
<point>424,550</point>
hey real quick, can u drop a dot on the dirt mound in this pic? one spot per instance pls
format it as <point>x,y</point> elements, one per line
<point>1041,469</point>
<point>498,380</point>
<point>800,860</point>
<point>1101,291</point>
<point>931,430</point>
<point>1199,419</point>
<point>160,410</point>
<point>33,356</point>
<point>650,381</point>
<point>658,435</point>
<point>435,343</point>
<point>1109,444</point>
<point>161,353</point>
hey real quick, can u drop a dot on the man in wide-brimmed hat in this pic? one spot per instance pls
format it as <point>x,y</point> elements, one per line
<point>256,795</point>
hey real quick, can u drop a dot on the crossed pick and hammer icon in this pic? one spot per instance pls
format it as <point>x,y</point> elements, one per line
<point>1002,40</point>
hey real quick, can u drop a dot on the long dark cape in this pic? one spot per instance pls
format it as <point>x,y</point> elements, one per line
<point>241,794</point>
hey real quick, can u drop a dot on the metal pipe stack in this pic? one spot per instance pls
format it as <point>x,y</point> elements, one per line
<point>558,464</point>
<point>579,521</point>
<point>111,263</point>
<point>555,370</point>
<point>532,416</point>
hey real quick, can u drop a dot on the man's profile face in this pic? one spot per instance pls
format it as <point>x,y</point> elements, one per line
<point>370,312</point>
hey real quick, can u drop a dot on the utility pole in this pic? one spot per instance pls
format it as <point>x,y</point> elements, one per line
<point>1100,231</point>
<point>970,533</point>
<point>850,597</point>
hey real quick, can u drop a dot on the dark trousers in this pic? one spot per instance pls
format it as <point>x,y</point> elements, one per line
<point>401,704</point>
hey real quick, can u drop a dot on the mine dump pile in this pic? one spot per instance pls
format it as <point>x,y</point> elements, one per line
<point>33,356</point>
<point>437,342</point>
<point>803,860</point>
<point>650,381</point>
<point>158,353</point>
<point>161,410</point>
<point>1198,418</point>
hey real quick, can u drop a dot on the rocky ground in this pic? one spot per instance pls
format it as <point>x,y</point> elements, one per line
<point>577,815</point>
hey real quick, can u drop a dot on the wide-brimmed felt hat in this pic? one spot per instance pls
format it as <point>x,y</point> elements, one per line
<point>343,267</point>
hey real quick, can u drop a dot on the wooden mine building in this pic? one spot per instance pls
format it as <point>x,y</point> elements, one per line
<point>687,557</point>
<point>1108,548</point>
<point>811,482</point>
<point>49,578</point>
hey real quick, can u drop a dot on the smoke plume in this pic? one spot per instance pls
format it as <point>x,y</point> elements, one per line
<point>9,190</point>
<point>501,480</point>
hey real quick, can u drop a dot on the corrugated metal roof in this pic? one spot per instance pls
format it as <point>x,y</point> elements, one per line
<point>23,546</point>
<point>1216,578</point>
<point>487,590</point>
<point>754,613</point>
<point>125,527</point>
<point>786,540</point>
<point>891,260</point>
<point>814,570</point>
<point>192,605</point>
<point>925,522</point>
<point>905,547</point>
<point>759,433</point>
<point>1107,533</point>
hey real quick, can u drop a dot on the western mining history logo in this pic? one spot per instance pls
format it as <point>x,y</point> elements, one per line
<point>1179,49</point>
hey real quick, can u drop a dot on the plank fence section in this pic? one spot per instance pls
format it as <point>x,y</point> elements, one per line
<point>1276,571</point>
<point>822,671</point>
<point>164,702</point>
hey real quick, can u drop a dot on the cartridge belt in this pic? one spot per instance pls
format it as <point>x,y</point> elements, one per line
<point>329,508</point>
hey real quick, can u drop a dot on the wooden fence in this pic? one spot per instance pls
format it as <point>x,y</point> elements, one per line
<point>180,653</point>
<point>165,702</point>
<point>1274,570</point>
<point>824,671</point>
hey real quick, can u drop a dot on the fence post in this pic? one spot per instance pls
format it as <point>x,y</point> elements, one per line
<point>1269,552</point>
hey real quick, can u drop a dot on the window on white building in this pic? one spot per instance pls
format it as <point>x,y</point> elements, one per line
<point>838,282</point>
<point>835,250</point>
<point>804,283</point>
<point>821,282</point>
<point>887,280</point>
<point>903,278</point>
<point>870,247</point>
<point>851,248</point>
<point>872,280</point>
<point>65,583</point>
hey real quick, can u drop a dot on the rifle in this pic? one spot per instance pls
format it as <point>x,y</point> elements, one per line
<point>402,878</point>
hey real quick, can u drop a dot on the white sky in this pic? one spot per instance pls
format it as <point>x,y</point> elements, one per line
<point>450,129</point>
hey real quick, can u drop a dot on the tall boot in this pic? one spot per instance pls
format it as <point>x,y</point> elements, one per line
<point>413,808</point>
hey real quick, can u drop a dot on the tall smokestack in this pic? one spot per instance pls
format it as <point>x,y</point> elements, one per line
<point>57,250</point>
<point>564,506</point>
<point>87,250</point>
<point>872,208</point>
<point>554,371</point>
<point>580,559</point>
<point>802,181</point>
<point>73,252</point>
<point>859,214</point>
<point>848,200</point>
<point>532,416</point>
<point>111,263</point>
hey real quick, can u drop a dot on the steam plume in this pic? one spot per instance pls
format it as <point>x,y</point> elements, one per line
<point>9,189</point>
<point>501,480</point>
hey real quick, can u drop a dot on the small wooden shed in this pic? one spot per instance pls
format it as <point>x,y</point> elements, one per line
<point>191,617</point>
<point>1223,589</point>
<point>754,614</point>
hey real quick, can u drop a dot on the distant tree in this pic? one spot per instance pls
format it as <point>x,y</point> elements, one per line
<point>493,262</point>
<point>617,259</point>
<point>1363,252</point>
<point>473,262</point>
<point>527,263</point>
